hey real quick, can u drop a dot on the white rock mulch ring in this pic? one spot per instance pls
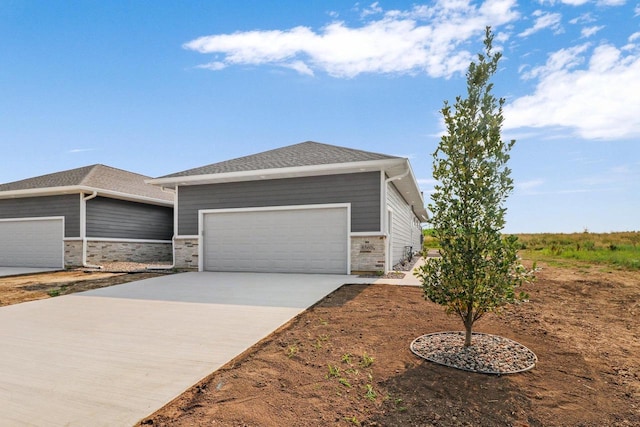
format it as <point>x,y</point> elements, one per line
<point>488,354</point>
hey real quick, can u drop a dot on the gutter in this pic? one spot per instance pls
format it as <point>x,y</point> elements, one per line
<point>275,173</point>
<point>74,189</point>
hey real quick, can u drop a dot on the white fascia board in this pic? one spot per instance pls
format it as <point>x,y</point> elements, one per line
<point>276,173</point>
<point>34,192</point>
<point>276,208</point>
<point>367,234</point>
<point>55,191</point>
<point>112,239</point>
<point>32,218</point>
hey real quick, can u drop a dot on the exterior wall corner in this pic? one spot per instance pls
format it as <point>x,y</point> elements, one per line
<point>72,253</point>
<point>186,253</point>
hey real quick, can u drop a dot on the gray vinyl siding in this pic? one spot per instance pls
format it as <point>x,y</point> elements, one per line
<point>67,205</point>
<point>362,190</point>
<point>120,219</point>
<point>405,227</point>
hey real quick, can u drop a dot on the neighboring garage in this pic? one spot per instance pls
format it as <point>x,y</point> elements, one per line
<point>84,217</point>
<point>32,242</point>
<point>292,239</point>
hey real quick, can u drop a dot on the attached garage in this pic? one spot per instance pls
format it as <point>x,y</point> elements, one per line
<point>303,208</point>
<point>291,239</point>
<point>32,242</point>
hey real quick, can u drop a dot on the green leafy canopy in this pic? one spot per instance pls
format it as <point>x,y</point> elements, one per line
<point>479,269</point>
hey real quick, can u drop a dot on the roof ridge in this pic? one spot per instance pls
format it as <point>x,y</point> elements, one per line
<point>89,173</point>
<point>97,166</point>
<point>302,154</point>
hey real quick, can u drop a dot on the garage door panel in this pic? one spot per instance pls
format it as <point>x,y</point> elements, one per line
<point>32,243</point>
<point>287,240</point>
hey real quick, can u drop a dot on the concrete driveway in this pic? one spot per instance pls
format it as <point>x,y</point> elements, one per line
<point>17,271</point>
<point>114,355</point>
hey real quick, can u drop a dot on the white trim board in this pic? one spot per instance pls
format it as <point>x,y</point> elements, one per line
<point>60,232</point>
<point>203,212</point>
<point>123,240</point>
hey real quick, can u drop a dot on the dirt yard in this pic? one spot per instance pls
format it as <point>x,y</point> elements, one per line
<point>347,362</point>
<point>17,289</point>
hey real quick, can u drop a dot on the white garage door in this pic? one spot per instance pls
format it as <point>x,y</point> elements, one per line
<point>285,240</point>
<point>32,243</point>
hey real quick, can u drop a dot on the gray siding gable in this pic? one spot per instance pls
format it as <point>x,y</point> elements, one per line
<point>67,205</point>
<point>362,190</point>
<point>112,218</point>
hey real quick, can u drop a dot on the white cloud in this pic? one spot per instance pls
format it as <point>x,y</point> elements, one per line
<point>214,66</point>
<point>373,9</point>
<point>558,61</point>
<point>422,39</point>
<point>581,2</point>
<point>80,150</point>
<point>585,18</point>
<point>529,185</point>
<point>543,21</point>
<point>596,96</point>
<point>590,31</point>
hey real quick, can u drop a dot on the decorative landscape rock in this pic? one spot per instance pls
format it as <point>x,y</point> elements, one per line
<point>488,354</point>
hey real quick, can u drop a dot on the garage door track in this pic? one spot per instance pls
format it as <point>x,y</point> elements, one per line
<point>114,355</point>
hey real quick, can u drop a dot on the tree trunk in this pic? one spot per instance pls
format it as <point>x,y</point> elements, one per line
<point>468,324</point>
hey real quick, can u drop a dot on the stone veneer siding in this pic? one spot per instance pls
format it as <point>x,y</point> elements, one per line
<point>73,253</point>
<point>368,253</point>
<point>114,251</point>
<point>186,253</point>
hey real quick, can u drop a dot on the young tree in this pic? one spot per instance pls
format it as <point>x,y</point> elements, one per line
<point>479,270</point>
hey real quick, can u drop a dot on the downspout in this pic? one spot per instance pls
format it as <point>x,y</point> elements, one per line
<point>394,178</point>
<point>389,257</point>
<point>173,240</point>
<point>84,234</point>
<point>173,258</point>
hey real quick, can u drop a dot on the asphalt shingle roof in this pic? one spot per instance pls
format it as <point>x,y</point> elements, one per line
<point>303,154</point>
<point>94,176</point>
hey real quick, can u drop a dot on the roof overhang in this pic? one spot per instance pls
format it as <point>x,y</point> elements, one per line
<point>77,189</point>
<point>277,173</point>
<point>407,185</point>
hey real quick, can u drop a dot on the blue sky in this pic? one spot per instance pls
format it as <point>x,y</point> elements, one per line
<point>159,87</point>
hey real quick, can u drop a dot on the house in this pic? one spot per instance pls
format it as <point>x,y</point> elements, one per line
<point>308,208</point>
<point>84,216</point>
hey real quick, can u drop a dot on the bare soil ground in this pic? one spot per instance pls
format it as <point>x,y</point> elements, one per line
<point>347,361</point>
<point>17,289</point>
